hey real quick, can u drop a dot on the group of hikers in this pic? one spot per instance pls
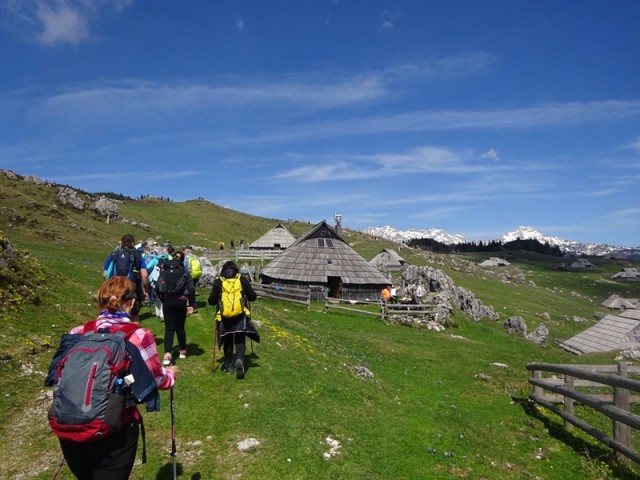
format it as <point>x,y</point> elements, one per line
<point>103,369</point>
<point>411,294</point>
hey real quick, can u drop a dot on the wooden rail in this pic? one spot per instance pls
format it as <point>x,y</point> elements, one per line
<point>280,292</point>
<point>417,309</point>
<point>242,254</point>
<point>338,304</point>
<point>576,385</point>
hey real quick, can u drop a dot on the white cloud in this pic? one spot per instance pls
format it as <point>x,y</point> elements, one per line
<point>62,25</point>
<point>491,154</point>
<point>388,21</point>
<point>240,25</point>
<point>636,144</point>
<point>148,98</point>
<point>63,22</point>
<point>454,66</point>
<point>417,161</point>
<point>528,117</point>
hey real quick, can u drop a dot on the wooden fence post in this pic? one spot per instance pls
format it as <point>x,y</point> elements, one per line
<point>569,403</point>
<point>538,391</point>
<point>622,432</point>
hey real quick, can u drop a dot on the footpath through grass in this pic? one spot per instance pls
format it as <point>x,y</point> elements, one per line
<point>440,405</point>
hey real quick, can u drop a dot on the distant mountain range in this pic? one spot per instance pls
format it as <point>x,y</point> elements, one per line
<point>524,233</point>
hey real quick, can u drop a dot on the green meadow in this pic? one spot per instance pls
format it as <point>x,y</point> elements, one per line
<point>440,405</point>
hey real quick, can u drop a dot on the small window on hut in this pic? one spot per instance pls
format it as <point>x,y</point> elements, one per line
<point>325,242</point>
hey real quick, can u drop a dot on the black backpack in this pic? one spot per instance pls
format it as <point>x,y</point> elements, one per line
<point>124,263</point>
<point>172,280</point>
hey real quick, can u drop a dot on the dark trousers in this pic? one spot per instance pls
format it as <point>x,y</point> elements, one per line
<point>175,318</point>
<point>108,459</point>
<point>234,338</point>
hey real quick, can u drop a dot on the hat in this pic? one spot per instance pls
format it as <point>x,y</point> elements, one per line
<point>187,246</point>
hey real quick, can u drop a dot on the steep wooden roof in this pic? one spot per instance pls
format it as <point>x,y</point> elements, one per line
<point>388,257</point>
<point>616,302</point>
<point>319,254</point>
<point>617,331</point>
<point>277,237</point>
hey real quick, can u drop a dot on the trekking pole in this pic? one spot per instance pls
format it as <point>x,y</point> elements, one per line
<point>173,434</point>
<point>215,342</point>
<point>57,472</point>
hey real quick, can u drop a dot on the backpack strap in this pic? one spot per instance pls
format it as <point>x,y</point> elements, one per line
<point>127,329</point>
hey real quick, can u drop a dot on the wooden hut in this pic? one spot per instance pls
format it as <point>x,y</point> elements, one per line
<point>278,238</point>
<point>616,331</point>
<point>322,261</point>
<point>616,302</point>
<point>389,260</point>
<point>626,274</point>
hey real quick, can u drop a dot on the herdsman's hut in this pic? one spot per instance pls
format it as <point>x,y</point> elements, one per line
<point>322,260</point>
<point>627,274</point>
<point>619,331</point>
<point>388,260</point>
<point>278,238</point>
<point>616,302</point>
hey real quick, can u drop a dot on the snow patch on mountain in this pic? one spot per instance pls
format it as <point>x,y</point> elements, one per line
<point>521,232</point>
<point>401,236</point>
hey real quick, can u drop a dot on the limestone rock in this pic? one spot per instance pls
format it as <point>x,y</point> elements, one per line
<point>68,196</point>
<point>105,208</point>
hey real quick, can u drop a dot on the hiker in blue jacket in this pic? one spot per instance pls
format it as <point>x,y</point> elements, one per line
<point>136,271</point>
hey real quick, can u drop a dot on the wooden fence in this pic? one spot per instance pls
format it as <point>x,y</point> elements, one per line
<point>384,311</point>
<point>242,254</point>
<point>605,388</point>
<point>349,305</point>
<point>280,292</point>
<point>411,309</point>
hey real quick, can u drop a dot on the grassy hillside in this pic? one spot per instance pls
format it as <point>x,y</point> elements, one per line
<point>461,392</point>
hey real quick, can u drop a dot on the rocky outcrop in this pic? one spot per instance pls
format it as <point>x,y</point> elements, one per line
<point>448,295</point>
<point>33,179</point>
<point>539,335</point>
<point>516,325</point>
<point>68,196</point>
<point>105,208</point>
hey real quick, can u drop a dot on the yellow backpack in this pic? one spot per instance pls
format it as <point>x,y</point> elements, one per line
<point>195,267</point>
<point>232,301</point>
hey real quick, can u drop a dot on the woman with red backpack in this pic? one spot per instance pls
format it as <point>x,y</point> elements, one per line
<point>113,455</point>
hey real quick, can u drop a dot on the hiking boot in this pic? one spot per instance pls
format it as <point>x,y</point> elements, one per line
<point>183,353</point>
<point>239,369</point>
<point>167,359</point>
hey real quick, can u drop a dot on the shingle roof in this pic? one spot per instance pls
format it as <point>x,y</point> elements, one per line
<point>319,254</point>
<point>388,257</point>
<point>277,237</point>
<point>614,332</point>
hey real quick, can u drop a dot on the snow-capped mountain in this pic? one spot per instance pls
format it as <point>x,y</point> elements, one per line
<point>400,236</point>
<point>522,232</point>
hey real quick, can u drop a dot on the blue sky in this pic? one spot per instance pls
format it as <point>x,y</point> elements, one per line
<point>470,116</point>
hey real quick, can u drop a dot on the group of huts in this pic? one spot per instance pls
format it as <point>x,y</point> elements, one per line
<point>323,261</point>
<point>617,330</point>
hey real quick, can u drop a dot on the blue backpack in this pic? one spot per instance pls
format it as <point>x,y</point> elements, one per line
<point>123,263</point>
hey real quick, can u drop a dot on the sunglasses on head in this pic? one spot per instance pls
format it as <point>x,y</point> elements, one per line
<point>129,295</point>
